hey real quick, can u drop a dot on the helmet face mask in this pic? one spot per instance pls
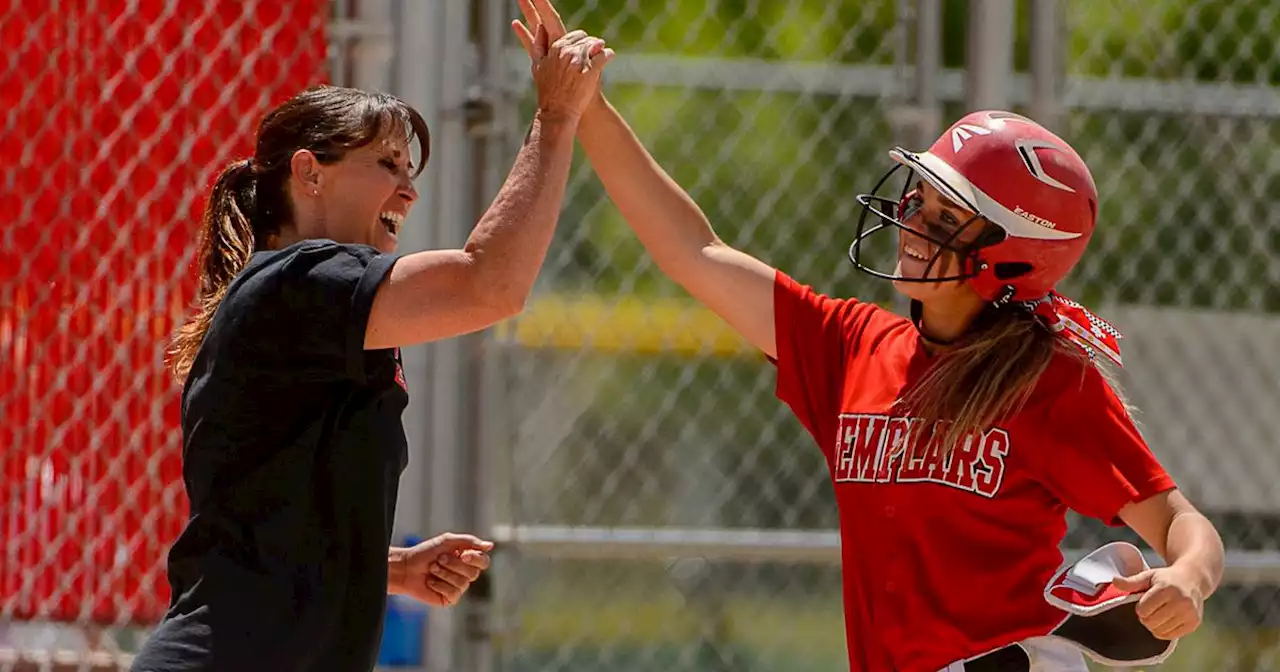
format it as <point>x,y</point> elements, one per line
<point>896,213</point>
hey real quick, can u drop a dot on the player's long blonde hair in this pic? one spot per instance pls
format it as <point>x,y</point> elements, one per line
<point>249,202</point>
<point>988,375</point>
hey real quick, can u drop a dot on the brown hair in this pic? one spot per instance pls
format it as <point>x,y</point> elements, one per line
<point>988,375</point>
<point>249,201</point>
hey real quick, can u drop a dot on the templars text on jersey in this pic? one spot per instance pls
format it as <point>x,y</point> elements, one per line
<point>882,449</point>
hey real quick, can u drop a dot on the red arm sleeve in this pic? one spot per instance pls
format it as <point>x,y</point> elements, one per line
<point>1099,461</point>
<point>817,337</point>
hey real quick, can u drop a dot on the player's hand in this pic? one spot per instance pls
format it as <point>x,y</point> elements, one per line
<point>439,570</point>
<point>1172,605</point>
<point>545,31</point>
<point>537,14</point>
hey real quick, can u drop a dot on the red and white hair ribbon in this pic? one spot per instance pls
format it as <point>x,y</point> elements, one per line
<point>1075,323</point>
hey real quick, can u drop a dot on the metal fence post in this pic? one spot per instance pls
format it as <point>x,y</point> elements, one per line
<point>374,51</point>
<point>402,58</point>
<point>928,40</point>
<point>1047,38</point>
<point>487,102</point>
<point>447,35</point>
<point>444,49</point>
<point>921,111</point>
<point>989,80</point>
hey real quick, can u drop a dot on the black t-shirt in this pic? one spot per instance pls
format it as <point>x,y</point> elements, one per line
<point>293,450</point>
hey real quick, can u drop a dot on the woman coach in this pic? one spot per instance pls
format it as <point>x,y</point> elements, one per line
<point>293,391</point>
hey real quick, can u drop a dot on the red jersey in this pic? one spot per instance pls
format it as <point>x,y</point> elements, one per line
<point>945,559</point>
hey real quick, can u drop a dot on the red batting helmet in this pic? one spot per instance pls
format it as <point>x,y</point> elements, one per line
<point>1013,173</point>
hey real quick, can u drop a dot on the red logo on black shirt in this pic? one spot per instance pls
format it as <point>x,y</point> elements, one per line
<point>404,384</point>
<point>884,449</point>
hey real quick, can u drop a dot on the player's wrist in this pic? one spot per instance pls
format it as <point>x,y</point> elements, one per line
<point>1195,575</point>
<point>557,120</point>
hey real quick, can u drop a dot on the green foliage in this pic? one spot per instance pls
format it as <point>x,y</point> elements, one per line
<point>798,30</point>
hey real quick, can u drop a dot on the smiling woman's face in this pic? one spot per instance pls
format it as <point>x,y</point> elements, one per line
<point>930,217</point>
<point>365,196</point>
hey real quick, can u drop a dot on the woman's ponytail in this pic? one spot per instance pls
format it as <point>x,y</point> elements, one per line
<point>226,243</point>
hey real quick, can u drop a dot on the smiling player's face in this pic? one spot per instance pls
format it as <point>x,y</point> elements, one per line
<point>934,216</point>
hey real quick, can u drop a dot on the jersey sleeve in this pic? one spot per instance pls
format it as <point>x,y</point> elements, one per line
<point>1100,463</point>
<point>314,305</point>
<point>816,337</point>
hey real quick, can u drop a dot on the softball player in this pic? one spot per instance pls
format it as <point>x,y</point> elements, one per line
<point>957,438</point>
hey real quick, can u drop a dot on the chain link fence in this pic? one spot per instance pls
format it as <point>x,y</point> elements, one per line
<point>664,511</point>
<point>659,508</point>
<point>646,420</point>
<point>116,116</point>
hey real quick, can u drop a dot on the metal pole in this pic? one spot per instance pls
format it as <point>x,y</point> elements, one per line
<point>417,73</point>
<point>928,67</point>
<point>990,75</point>
<point>484,392</point>
<point>449,34</point>
<point>926,108</point>
<point>338,41</point>
<point>395,52</point>
<point>374,47</point>
<point>1047,61</point>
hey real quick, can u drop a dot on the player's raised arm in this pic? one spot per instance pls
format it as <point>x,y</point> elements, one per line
<point>733,284</point>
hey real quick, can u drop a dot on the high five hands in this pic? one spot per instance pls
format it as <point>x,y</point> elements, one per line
<point>566,65</point>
